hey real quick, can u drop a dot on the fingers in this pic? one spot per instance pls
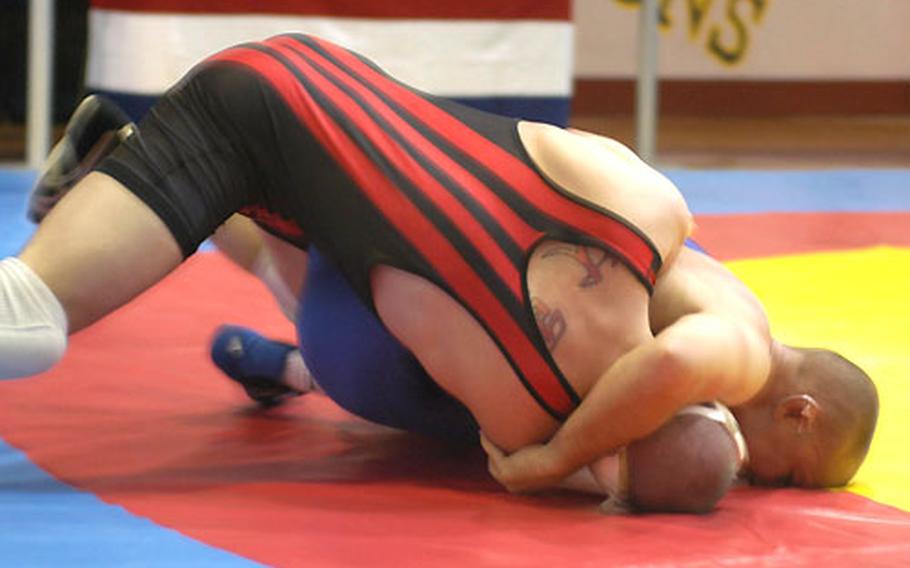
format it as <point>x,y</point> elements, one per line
<point>524,471</point>
<point>495,455</point>
<point>500,465</point>
<point>490,448</point>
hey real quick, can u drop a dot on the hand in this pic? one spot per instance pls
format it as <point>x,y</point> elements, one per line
<point>531,468</point>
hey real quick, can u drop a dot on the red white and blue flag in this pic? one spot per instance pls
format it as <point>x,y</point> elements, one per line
<point>513,57</point>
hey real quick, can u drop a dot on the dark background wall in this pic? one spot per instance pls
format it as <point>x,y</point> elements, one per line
<point>69,57</point>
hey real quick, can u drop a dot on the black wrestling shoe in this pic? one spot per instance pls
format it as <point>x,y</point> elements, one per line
<point>253,361</point>
<point>95,129</point>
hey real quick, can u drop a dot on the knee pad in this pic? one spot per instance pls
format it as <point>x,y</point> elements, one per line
<point>32,322</point>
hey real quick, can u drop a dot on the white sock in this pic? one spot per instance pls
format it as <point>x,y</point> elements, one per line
<point>297,375</point>
<point>33,324</point>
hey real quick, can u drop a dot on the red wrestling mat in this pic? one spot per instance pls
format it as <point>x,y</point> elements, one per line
<point>771,234</point>
<point>137,415</point>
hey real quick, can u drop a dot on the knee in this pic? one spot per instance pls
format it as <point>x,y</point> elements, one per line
<point>32,322</point>
<point>27,352</point>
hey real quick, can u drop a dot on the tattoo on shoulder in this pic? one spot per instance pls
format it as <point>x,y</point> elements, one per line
<point>550,321</point>
<point>590,259</point>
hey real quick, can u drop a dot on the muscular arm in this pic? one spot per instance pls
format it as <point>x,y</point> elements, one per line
<point>700,357</point>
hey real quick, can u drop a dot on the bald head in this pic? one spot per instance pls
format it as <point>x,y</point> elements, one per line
<point>847,414</point>
<point>812,424</point>
<point>686,466</point>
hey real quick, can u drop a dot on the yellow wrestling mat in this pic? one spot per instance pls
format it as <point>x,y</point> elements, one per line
<point>856,303</point>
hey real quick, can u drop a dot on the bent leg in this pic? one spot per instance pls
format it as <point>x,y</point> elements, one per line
<point>240,240</point>
<point>161,193</point>
<point>153,200</point>
<point>278,264</point>
<point>99,248</point>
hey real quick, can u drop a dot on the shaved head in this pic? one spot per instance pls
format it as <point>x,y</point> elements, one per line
<point>848,415</point>
<point>813,423</point>
<point>686,466</point>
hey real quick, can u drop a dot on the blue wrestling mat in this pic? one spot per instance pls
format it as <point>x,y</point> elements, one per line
<point>14,186</point>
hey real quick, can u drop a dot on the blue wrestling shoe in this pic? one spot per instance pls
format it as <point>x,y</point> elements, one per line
<point>257,363</point>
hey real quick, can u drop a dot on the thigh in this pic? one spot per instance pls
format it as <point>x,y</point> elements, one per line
<point>148,205</point>
<point>155,198</point>
<point>99,248</point>
<point>187,162</point>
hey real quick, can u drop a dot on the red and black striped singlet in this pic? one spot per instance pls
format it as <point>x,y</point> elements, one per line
<point>433,187</point>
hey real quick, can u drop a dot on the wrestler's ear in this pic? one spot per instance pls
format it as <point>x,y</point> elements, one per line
<point>798,411</point>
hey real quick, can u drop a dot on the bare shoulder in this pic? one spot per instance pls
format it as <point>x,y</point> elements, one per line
<point>702,311</point>
<point>594,152</point>
<point>547,142</point>
<point>605,172</point>
<point>697,283</point>
<point>609,144</point>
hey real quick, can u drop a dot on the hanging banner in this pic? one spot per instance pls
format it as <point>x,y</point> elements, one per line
<point>510,57</point>
<point>811,40</point>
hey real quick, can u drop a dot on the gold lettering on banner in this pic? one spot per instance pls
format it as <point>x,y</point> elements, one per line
<point>697,11</point>
<point>731,53</point>
<point>726,39</point>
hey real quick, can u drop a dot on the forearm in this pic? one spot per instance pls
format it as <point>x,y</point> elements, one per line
<point>699,358</point>
<point>583,481</point>
<point>639,393</point>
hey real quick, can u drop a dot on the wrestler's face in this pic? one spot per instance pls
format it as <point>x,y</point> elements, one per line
<point>812,423</point>
<point>774,461</point>
<point>781,452</point>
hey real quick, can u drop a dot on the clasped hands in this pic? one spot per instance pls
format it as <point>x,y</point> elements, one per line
<point>532,468</point>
